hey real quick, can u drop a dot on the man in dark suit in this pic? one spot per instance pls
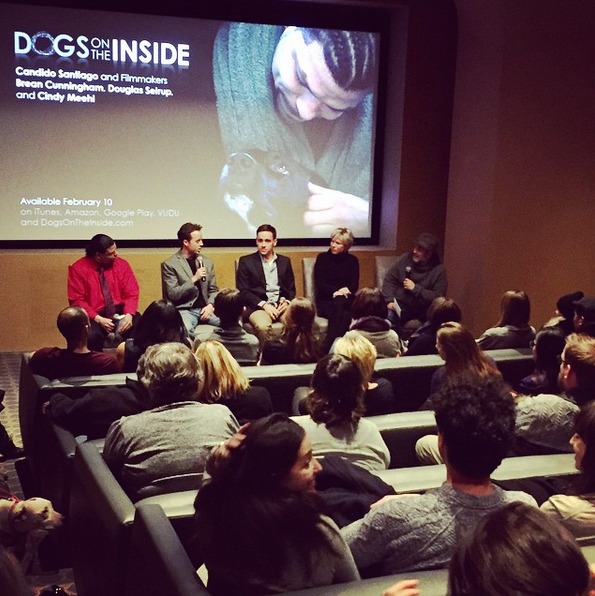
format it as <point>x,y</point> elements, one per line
<point>266,282</point>
<point>188,280</point>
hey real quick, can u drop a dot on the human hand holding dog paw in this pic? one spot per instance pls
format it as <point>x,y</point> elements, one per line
<point>329,208</point>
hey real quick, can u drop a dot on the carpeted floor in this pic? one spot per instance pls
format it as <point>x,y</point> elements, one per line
<point>9,381</point>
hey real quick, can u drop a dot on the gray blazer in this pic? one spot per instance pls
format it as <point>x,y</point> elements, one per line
<point>177,285</point>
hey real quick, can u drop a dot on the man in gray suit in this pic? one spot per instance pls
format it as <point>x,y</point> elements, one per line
<point>188,280</point>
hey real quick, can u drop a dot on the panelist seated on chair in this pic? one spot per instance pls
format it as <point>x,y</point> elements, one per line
<point>188,280</point>
<point>336,275</point>
<point>76,360</point>
<point>414,280</point>
<point>104,285</point>
<point>266,282</point>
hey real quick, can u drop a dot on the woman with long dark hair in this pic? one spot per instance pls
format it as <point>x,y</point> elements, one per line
<point>513,329</point>
<point>258,524</point>
<point>547,347</point>
<point>576,512</point>
<point>423,340</point>
<point>161,322</point>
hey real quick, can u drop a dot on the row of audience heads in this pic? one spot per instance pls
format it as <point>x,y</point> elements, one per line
<point>161,322</point>
<point>171,372</point>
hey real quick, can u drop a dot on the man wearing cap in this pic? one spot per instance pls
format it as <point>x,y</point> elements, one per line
<point>414,280</point>
<point>584,315</point>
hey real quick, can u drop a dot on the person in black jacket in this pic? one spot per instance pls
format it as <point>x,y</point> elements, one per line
<point>336,279</point>
<point>266,282</point>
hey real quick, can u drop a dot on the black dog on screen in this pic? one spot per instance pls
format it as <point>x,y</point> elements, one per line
<point>262,186</point>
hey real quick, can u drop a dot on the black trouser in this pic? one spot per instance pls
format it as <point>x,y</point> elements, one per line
<point>98,335</point>
<point>338,313</point>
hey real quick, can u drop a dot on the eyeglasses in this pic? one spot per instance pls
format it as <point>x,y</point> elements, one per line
<point>561,360</point>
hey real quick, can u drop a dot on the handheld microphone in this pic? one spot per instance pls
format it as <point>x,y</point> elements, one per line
<point>200,266</point>
<point>407,272</point>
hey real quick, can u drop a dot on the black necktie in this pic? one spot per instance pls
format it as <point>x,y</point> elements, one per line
<point>107,295</point>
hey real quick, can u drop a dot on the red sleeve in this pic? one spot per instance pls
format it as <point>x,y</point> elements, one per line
<point>128,285</point>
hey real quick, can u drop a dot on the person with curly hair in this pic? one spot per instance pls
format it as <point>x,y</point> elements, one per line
<point>402,533</point>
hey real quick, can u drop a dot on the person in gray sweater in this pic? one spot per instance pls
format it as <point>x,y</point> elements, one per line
<point>408,532</point>
<point>165,449</point>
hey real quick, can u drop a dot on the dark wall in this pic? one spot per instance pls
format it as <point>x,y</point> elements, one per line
<point>521,197</point>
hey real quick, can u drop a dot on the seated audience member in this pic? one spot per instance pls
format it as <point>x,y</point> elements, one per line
<point>104,285</point>
<point>259,526</point>
<point>77,360</point>
<point>584,316</point>
<point>92,414</point>
<point>298,343</point>
<point>513,329</point>
<point>336,405</point>
<point>576,512</point>
<point>415,279</point>
<point>547,347</point>
<point>463,359</point>
<point>336,279</point>
<point>564,315</point>
<point>379,396</point>
<point>423,341</point>
<point>545,422</point>
<point>229,308</point>
<point>403,533</point>
<point>225,382</point>
<point>161,322</point>
<point>369,312</point>
<point>518,550</point>
<point>167,446</point>
<point>513,550</point>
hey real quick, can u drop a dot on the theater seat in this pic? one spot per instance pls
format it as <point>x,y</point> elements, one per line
<point>383,264</point>
<point>158,563</point>
<point>101,518</point>
<point>308,263</point>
